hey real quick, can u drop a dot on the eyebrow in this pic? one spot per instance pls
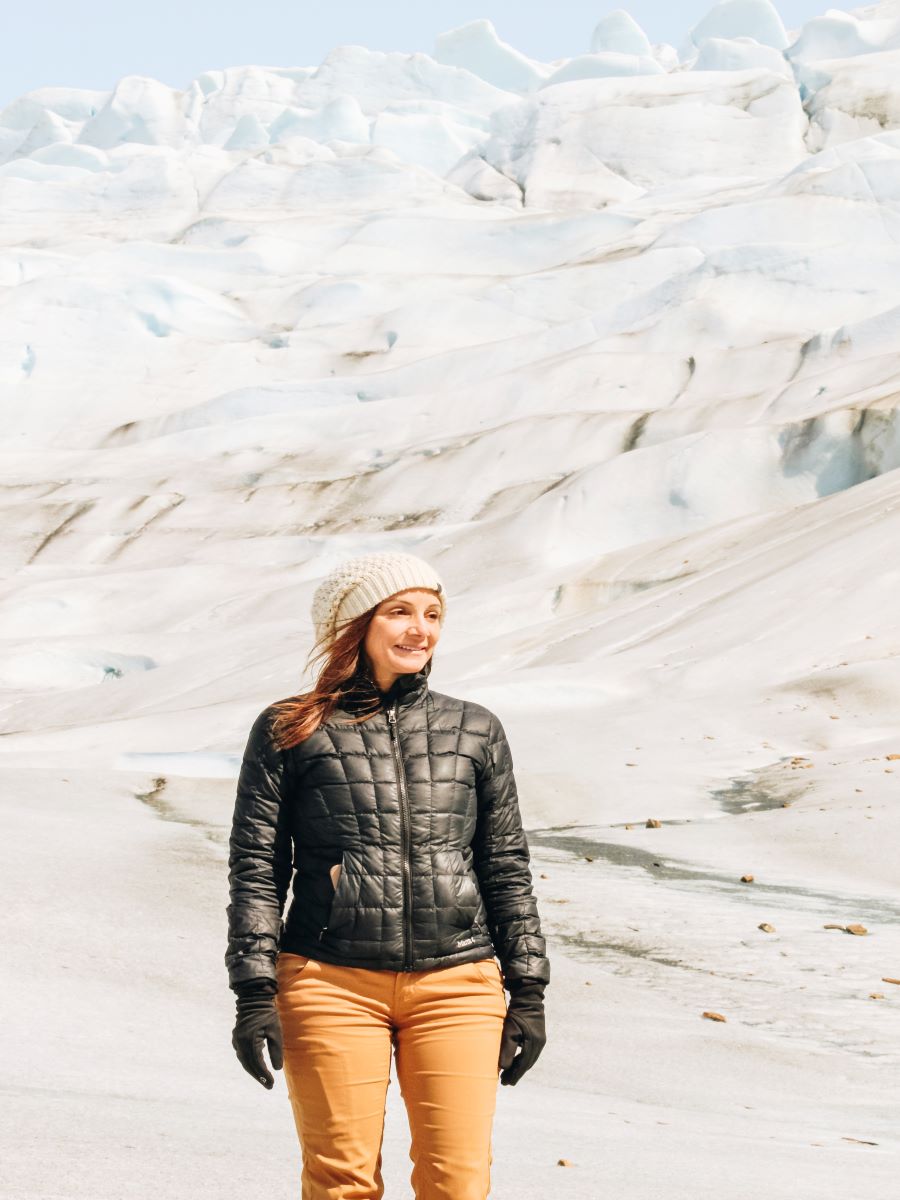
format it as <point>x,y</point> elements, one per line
<point>408,603</point>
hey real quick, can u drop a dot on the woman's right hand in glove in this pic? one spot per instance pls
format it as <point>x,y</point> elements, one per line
<point>258,1024</point>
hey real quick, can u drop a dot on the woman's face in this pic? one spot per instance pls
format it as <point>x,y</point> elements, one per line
<point>402,634</point>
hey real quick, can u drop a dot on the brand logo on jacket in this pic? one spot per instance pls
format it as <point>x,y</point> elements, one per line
<point>467,941</point>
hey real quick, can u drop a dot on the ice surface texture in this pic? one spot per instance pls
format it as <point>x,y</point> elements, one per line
<point>613,340</point>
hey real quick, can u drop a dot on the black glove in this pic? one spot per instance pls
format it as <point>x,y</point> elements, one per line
<point>258,1023</point>
<point>523,1026</point>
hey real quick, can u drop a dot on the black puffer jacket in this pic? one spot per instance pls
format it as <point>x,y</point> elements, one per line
<point>418,805</point>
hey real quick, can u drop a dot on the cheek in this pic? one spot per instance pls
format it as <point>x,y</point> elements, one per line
<point>374,638</point>
<point>385,632</point>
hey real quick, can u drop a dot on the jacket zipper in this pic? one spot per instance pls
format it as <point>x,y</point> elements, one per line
<point>404,836</point>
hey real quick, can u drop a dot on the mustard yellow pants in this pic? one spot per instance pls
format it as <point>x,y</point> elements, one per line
<point>339,1026</point>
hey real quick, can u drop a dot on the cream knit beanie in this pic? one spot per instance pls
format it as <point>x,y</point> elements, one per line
<point>360,583</point>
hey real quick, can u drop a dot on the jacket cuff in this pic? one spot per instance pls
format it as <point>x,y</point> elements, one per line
<point>526,987</point>
<point>260,985</point>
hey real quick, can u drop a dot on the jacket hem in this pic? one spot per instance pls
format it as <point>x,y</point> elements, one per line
<point>317,950</point>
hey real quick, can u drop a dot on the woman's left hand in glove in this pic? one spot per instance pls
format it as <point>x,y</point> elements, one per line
<point>523,1028</point>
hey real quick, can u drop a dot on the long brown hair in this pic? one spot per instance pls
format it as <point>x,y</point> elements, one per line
<point>346,676</point>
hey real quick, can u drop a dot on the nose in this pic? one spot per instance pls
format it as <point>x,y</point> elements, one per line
<point>418,628</point>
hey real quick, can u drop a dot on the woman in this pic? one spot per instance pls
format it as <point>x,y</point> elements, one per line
<point>396,809</point>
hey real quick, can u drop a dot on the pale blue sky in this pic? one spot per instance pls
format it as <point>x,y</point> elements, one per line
<point>96,42</point>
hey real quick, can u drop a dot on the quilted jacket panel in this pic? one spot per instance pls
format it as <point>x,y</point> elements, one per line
<point>418,806</point>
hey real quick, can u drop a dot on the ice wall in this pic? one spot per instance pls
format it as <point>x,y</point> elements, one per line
<point>533,318</point>
<point>613,340</point>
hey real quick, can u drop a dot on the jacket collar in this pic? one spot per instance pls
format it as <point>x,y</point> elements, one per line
<point>360,691</point>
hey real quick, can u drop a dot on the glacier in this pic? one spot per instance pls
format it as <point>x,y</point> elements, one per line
<point>614,340</point>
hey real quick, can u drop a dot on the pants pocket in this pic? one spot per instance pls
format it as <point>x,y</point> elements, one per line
<point>289,967</point>
<point>489,970</point>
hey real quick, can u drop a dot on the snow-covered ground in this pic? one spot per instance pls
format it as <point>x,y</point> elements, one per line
<point>613,341</point>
